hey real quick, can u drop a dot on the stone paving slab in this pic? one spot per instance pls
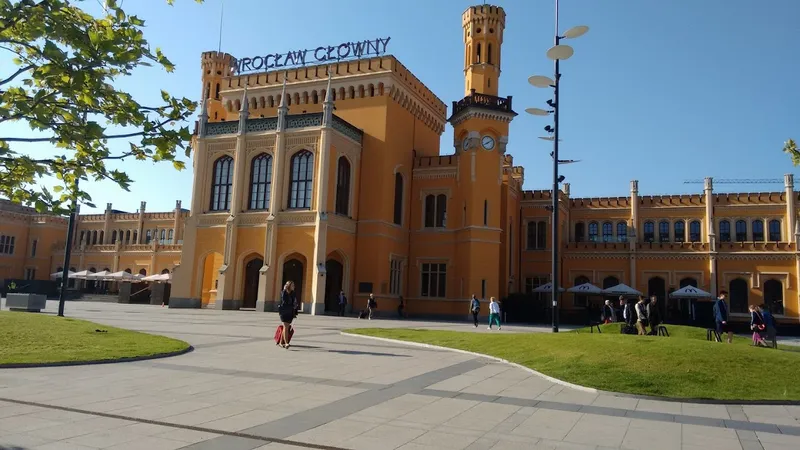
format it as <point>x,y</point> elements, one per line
<point>237,390</point>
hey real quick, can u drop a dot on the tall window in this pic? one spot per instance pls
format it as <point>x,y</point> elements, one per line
<point>478,60</point>
<point>775,230</point>
<point>741,231</point>
<point>536,235</point>
<point>724,231</point>
<point>148,236</point>
<point>398,199</point>
<point>694,231</point>
<point>608,232</point>
<point>663,231</point>
<point>435,211</point>
<point>114,237</point>
<point>593,231</point>
<point>622,232</point>
<point>485,212</point>
<point>489,53</point>
<point>171,235</point>
<point>758,230</point>
<point>260,181</point>
<point>302,180</point>
<point>163,235</point>
<point>395,277</point>
<point>649,232</point>
<point>343,187</point>
<point>680,231</point>
<point>579,232</point>
<point>33,248</point>
<point>222,184</point>
<point>7,244</point>
<point>434,280</point>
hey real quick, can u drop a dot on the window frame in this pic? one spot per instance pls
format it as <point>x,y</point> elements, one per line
<point>296,183</point>
<point>221,184</point>
<point>264,162</point>
<point>344,182</point>
<point>426,276</point>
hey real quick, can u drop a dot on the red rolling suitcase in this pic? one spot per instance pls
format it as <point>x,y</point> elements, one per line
<point>279,333</point>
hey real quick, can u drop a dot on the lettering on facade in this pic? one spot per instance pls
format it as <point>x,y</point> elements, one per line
<point>330,53</point>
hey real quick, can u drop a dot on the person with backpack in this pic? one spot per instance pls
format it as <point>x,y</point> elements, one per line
<point>287,308</point>
<point>475,309</point>
<point>372,305</point>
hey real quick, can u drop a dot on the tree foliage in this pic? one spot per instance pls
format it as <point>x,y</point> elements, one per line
<point>790,147</point>
<point>61,84</point>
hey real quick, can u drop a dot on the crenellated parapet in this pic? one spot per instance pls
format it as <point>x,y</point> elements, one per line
<point>600,202</point>
<point>750,198</point>
<point>671,201</point>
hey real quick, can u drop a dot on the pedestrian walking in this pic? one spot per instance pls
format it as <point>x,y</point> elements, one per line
<point>609,314</point>
<point>475,309</point>
<point>772,326</point>
<point>721,316</point>
<point>641,316</point>
<point>401,306</point>
<point>342,303</point>
<point>653,315</point>
<point>494,313</point>
<point>757,326</point>
<point>287,309</point>
<point>372,305</point>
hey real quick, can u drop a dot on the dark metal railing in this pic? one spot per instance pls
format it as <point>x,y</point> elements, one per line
<point>492,102</point>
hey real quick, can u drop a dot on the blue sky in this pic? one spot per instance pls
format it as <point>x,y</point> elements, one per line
<point>659,91</point>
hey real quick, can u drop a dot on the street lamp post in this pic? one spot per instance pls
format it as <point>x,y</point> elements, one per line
<point>557,53</point>
<point>62,295</point>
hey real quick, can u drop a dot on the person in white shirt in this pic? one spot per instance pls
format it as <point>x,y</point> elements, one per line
<point>494,313</point>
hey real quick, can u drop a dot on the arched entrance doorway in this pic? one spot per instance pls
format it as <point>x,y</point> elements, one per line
<point>293,271</point>
<point>773,296</point>
<point>251,274</point>
<point>334,277</point>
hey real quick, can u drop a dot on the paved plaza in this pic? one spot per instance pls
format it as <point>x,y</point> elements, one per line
<point>238,391</point>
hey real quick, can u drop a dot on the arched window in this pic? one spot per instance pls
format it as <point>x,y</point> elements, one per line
<point>581,300</point>
<point>163,235</point>
<point>694,231</point>
<point>541,235</point>
<point>171,235</point>
<point>622,232</point>
<point>773,296</point>
<point>148,236</point>
<point>260,181</point>
<point>128,270</point>
<point>143,272</point>
<point>128,237</point>
<point>593,231</point>
<point>741,231</point>
<point>94,237</point>
<point>688,282</point>
<point>489,53</point>
<point>608,232</point>
<point>738,291</point>
<point>663,231</point>
<point>478,59</point>
<point>758,230</point>
<point>302,180</point>
<point>343,187</point>
<point>649,232</point>
<point>114,237</point>
<point>775,230</point>
<point>398,199</point>
<point>216,92</point>
<point>724,231</point>
<point>221,184</point>
<point>580,230</point>
<point>135,237</point>
<point>680,231</point>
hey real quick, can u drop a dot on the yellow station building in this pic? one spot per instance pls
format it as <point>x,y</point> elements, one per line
<point>332,176</point>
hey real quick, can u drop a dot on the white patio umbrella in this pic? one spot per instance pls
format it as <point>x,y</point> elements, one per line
<point>690,292</point>
<point>622,289</point>
<point>547,288</point>
<point>59,274</point>
<point>102,275</point>
<point>586,289</point>
<point>122,276</point>
<point>81,275</point>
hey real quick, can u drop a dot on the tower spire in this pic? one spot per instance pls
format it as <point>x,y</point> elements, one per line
<point>283,109</point>
<point>328,106</point>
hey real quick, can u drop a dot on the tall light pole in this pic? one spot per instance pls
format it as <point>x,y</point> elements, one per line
<point>62,295</point>
<point>557,53</point>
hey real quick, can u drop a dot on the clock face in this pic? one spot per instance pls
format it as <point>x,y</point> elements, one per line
<point>487,142</point>
<point>465,144</point>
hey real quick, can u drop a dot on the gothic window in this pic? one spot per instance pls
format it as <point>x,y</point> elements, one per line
<point>128,237</point>
<point>579,231</point>
<point>343,187</point>
<point>171,235</point>
<point>94,237</point>
<point>622,231</point>
<point>114,237</point>
<point>216,92</point>
<point>434,280</point>
<point>724,231</point>
<point>478,59</point>
<point>680,231</point>
<point>663,231</point>
<point>608,232</point>
<point>649,232</point>
<point>398,198</point>
<point>758,230</point>
<point>741,231</point>
<point>148,236</point>
<point>489,53</point>
<point>302,180</point>
<point>163,235</point>
<point>775,230</point>
<point>260,181</point>
<point>541,235</point>
<point>395,277</point>
<point>435,211</point>
<point>694,231</point>
<point>593,231</point>
<point>221,184</point>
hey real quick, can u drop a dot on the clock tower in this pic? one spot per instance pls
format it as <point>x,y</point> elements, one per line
<point>481,121</point>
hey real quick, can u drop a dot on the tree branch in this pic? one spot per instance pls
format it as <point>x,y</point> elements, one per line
<point>15,74</point>
<point>53,161</point>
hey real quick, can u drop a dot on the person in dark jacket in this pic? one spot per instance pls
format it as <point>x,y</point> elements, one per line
<point>772,326</point>
<point>609,314</point>
<point>653,315</point>
<point>342,303</point>
<point>287,309</point>
<point>757,326</point>
<point>721,316</point>
<point>475,309</point>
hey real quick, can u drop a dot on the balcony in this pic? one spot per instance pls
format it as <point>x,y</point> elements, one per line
<point>490,102</point>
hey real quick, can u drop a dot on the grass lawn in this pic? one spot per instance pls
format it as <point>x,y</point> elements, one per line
<point>684,365</point>
<point>43,338</point>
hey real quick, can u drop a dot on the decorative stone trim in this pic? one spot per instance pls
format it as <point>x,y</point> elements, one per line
<point>435,174</point>
<point>221,146</point>
<point>212,220</point>
<point>297,218</point>
<point>253,218</point>
<point>474,113</point>
<point>342,223</point>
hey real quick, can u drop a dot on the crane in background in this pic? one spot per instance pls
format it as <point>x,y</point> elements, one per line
<point>738,181</point>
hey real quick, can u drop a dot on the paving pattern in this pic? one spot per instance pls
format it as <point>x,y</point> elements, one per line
<point>238,391</point>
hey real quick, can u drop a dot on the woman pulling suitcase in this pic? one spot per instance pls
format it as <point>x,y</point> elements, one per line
<point>287,308</point>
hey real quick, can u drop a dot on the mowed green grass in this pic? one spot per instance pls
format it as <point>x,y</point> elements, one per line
<point>43,338</point>
<point>684,365</point>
